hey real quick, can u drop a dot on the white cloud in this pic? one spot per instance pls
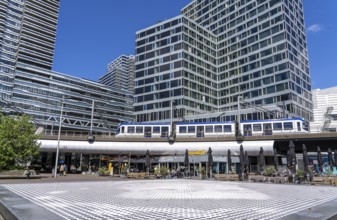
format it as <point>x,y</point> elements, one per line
<point>314,28</point>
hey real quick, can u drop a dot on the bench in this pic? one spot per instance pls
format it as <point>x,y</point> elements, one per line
<point>277,179</point>
<point>20,174</point>
<point>257,178</point>
<point>325,180</point>
<point>152,176</point>
<point>317,179</point>
<point>20,177</point>
<point>230,177</point>
<point>334,181</point>
<point>137,175</point>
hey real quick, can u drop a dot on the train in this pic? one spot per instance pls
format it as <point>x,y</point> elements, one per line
<point>212,129</point>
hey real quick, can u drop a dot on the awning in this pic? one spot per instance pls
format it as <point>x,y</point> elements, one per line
<point>157,148</point>
<point>196,159</point>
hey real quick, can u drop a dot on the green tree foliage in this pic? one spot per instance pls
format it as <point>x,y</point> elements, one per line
<point>18,143</point>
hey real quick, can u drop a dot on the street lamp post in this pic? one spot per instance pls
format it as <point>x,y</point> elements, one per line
<point>238,134</point>
<point>91,137</point>
<point>92,116</point>
<point>58,139</point>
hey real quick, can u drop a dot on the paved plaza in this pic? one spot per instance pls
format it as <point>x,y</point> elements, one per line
<point>168,199</point>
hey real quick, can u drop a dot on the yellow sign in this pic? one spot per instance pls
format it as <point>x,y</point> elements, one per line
<point>197,152</point>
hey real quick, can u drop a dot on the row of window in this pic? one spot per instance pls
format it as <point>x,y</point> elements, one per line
<point>147,129</point>
<point>205,129</point>
<point>277,126</point>
<point>158,28</point>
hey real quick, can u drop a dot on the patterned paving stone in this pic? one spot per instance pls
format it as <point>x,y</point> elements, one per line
<point>173,199</point>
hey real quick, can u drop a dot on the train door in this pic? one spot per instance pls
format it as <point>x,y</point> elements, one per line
<point>200,131</point>
<point>267,129</point>
<point>164,131</point>
<point>148,132</point>
<point>298,126</point>
<point>247,130</point>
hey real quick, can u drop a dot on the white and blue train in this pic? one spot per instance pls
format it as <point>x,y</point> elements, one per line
<point>212,129</point>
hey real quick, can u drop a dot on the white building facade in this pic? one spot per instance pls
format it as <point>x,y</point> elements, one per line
<point>218,50</point>
<point>325,110</point>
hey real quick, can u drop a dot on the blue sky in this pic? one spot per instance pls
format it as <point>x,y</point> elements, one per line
<point>92,33</point>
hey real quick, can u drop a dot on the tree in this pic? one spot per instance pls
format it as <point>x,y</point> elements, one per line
<point>18,143</point>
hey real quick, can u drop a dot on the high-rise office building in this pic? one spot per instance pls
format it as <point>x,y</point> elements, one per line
<point>219,50</point>
<point>27,37</point>
<point>120,73</point>
<point>27,84</point>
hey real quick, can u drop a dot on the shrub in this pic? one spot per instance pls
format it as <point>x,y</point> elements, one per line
<point>270,170</point>
<point>164,171</point>
<point>156,170</point>
<point>202,170</point>
<point>102,171</point>
<point>300,173</point>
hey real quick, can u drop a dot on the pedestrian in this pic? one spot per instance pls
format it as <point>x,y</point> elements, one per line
<point>27,173</point>
<point>65,169</point>
<point>61,169</point>
<point>178,172</point>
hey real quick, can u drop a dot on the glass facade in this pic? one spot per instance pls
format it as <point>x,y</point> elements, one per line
<point>28,30</point>
<point>27,39</point>
<point>217,50</point>
<point>39,93</point>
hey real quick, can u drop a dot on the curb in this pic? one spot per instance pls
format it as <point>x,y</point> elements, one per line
<point>6,213</point>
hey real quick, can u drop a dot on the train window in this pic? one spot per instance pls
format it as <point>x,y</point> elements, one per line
<point>305,126</point>
<point>218,128</point>
<point>182,129</point>
<point>288,126</point>
<point>247,128</point>
<point>257,127</point>
<point>227,128</point>
<point>131,130</point>
<point>277,126</point>
<point>298,126</point>
<point>156,130</point>
<point>209,129</point>
<point>123,129</point>
<point>139,129</point>
<point>191,129</point>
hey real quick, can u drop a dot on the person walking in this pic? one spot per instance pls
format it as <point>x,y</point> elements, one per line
<point>27,173</point>
<point>65,169</point>
<point>61,169</point>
